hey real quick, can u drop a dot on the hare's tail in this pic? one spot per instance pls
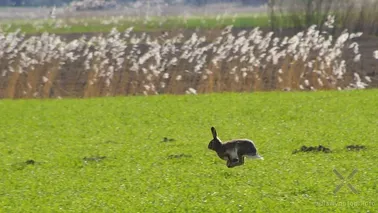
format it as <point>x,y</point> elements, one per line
<point>256,156</point>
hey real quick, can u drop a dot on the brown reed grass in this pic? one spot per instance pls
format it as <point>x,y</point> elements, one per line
<point>126,82</point>
<point>52,80</point>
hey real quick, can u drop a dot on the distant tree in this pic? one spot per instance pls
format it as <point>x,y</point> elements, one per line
<point>4,2</point>
<point>196,2</point>
<point>126,1</point>
<point>18,3</point>
<point>254,2</point>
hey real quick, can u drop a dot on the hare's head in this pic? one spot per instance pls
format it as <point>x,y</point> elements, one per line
<point>215,144</point>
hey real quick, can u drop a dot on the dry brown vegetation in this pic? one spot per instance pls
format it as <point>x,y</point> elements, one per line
<point>128,63</point>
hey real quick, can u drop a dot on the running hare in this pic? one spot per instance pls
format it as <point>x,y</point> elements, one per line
<point>233,151</point>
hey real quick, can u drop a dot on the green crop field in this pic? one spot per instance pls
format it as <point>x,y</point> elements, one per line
<point>110,155</point>
<point>105,24</point>
<point>100,24</point>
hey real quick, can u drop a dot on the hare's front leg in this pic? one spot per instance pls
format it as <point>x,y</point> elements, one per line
<point>241,160</point>
<point>235,162</point>
<point>231,164</point>
<point>231,161</point>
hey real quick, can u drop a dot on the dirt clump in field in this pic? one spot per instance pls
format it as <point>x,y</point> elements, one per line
<point>319,148</point>
<point>178,156</point>
<point>166,139</point>
<point>95,158</point>
<point>355,147</point>
<point>30,162</point>
<point>111,142</point>
<point>24,164</point>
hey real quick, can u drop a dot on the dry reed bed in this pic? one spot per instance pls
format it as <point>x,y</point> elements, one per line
<point>123,63</point>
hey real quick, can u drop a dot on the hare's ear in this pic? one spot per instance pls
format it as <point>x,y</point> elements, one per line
<point>214,132</point>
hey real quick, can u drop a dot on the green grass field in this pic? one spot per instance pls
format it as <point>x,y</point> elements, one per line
<point>101,24</point>
<point>153,24</point>
<point>143,174</point>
